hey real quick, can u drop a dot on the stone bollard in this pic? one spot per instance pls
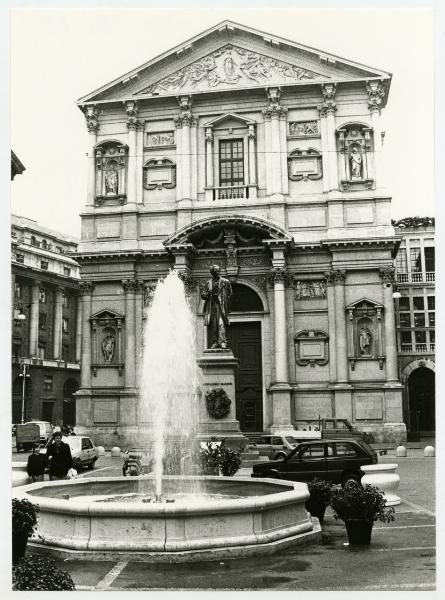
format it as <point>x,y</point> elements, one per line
<point>384,477</point>
<point>115,452</point>
<point>429,451</point>
<point>401,451</point>
<point>101,450</point>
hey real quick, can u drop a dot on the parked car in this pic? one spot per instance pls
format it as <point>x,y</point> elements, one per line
<point>83,451</point>
<point>27,434</point>
<point>46,430</point>
<point>337,460</point>
<point>274,447</point>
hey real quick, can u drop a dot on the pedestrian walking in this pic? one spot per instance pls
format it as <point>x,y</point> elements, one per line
<point>59,458</point>
<point>36,464</point>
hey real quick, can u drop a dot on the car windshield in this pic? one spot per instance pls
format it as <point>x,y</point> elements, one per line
<point>72,442</point>
<point>366,446</point>
<point>291,440</point>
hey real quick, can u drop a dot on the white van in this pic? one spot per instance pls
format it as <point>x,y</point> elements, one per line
<point>46,430</point>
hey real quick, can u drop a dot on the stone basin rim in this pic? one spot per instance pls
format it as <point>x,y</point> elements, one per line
<point>292,491</point>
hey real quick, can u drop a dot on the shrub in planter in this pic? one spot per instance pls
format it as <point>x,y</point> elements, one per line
<point>24,521</point>
<point>39,573</point>
<point>320,492</point>
<point>217,457</point>
<point>359,507</point>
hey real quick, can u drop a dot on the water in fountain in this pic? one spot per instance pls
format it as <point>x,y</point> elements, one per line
<point>169,380</point>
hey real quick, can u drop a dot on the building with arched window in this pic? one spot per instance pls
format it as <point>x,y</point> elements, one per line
<point>265,157</point>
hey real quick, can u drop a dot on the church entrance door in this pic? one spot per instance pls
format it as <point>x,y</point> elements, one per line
<point>245,342</point>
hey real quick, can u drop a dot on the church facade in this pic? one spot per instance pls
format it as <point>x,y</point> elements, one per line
<point>264,157</point>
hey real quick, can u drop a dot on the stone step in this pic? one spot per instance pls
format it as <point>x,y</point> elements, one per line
<point>250,455</point>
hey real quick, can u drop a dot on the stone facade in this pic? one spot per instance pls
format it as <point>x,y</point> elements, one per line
<point>415,320</point>
<point>265,157</point>
<point>46,339</point>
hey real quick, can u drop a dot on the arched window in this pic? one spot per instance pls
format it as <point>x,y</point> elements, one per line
<point>44,244</point>
<point>244,299</point>
<point>111,169</point>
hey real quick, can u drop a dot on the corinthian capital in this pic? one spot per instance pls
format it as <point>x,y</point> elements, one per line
<point>129,285</point>
<point>131,108</point>
<point>387,274</point>
<point>376,93</point>
<point>335,276</point>
<point>91,118</point>
<point>328,90</point>
<point>279,275</point>
<point>86,288</point>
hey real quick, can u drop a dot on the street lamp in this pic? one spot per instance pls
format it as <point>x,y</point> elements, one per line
<point>24,367</point>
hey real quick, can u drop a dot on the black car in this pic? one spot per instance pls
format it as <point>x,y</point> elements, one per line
<point>337,460</point>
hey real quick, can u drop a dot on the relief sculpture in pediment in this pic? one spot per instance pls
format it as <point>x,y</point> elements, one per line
<point>229,66</point>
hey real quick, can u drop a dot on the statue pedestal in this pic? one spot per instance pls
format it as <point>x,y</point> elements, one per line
<point>218,371</point>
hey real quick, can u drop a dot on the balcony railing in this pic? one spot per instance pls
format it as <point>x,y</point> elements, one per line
<point>236,192</point>
<point>410,348</point>
<point>429,276</point>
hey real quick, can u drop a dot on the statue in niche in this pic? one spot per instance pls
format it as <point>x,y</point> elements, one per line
<point>365,339</point>
<point>231,252</point>
<point>108,348</point>
<point>229,69</point>
<point>355,159</point>
<point>216,293</point>
<point>111,179</point>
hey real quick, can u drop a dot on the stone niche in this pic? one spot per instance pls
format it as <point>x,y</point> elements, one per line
<point>111,173</point>
<point>365,332</point>
<point>356,156</point>
<point>107,342</point>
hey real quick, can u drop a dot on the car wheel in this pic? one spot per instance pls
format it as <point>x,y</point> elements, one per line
<point>18,447</point>
<point>347,478</point>
<point>280,456</point>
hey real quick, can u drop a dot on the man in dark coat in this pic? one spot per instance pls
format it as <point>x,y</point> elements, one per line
<point>216,294</point>
<point>36,464</point>
<point>59,458</point>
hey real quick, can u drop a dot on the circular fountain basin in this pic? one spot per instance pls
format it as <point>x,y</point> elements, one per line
<point>107,518</point>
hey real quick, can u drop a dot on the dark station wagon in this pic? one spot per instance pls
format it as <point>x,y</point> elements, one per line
<point>336,460</point>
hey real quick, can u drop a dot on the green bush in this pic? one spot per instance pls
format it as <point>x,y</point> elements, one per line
<point>24,516</point>
<point>356,502</point>
<point>39,573</point>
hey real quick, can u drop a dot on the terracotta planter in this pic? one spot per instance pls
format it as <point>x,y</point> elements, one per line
<point>359,531</point>
<point>317,509</point>
<point>19,541</point>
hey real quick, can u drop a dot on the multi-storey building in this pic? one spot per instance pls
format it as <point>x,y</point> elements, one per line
<point>45,323</point>
<point>264,156</point>
<point>415,314</point>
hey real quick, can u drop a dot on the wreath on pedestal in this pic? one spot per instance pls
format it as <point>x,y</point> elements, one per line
<point>218,403</point>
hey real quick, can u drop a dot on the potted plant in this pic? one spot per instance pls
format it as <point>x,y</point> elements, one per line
<point>39,573</point>
<point>209,456</point>
<point>320,492</point>
<point>359,507</point>
<point>229,460</point>
<point>24,521</point>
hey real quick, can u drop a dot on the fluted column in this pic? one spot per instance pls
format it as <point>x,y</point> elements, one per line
<point>341,344</point>
<point>279,275</point>
<point>387,276</point>
<point>91,117</point>
<point>209,158</point>
<point>252,157</point>
<point>132,124</point>
<point>330,293</point>
<point>78,328</point>
<point>57,338</point>
<point>34,319</point>
<point>376,93</point>
<point>328,91</point>
<point>86,290</point>
<point>130,333</point>
<point>324,147</point>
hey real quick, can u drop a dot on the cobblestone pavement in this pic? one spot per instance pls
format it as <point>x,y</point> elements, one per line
<point>401,556</point>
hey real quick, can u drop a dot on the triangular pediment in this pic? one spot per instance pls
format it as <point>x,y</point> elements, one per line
<point>231,56</point>
<point>363,304</point>
<point>229,118</point>
<point>106,315</point>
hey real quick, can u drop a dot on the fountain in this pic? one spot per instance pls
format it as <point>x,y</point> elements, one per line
<point>169,515</point>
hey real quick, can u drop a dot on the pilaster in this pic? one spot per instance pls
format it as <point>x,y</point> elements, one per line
<point>34,319</point>
<point>86,291</point>
<point>209,157</point>
<point>330,293</point>
<point>337,278</point>
<point>387,276</point>
<point>329,107</point>
<point>57,338</point>
<point>78,328</point>
<point>376,93</point>
<point>133,125</point>
<point>92,122</point>
<point>130,333</point>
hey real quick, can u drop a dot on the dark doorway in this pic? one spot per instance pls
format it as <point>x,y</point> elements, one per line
<point>70,387</point>
<point>422,401</point>
<point>245,341</point>
<point>47,411</point>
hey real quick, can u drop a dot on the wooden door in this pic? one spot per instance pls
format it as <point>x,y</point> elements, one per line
<point>245,341</point>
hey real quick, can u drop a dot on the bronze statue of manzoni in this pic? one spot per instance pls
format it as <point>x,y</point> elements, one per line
<point>216,307</point>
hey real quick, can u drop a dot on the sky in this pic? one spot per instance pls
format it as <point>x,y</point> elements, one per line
<point>57,56</point>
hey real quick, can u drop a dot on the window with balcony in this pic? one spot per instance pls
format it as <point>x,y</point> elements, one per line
<point>402,265</point>
<point>42,296</point>
<point>415,260</point>
<point>430,263</point>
